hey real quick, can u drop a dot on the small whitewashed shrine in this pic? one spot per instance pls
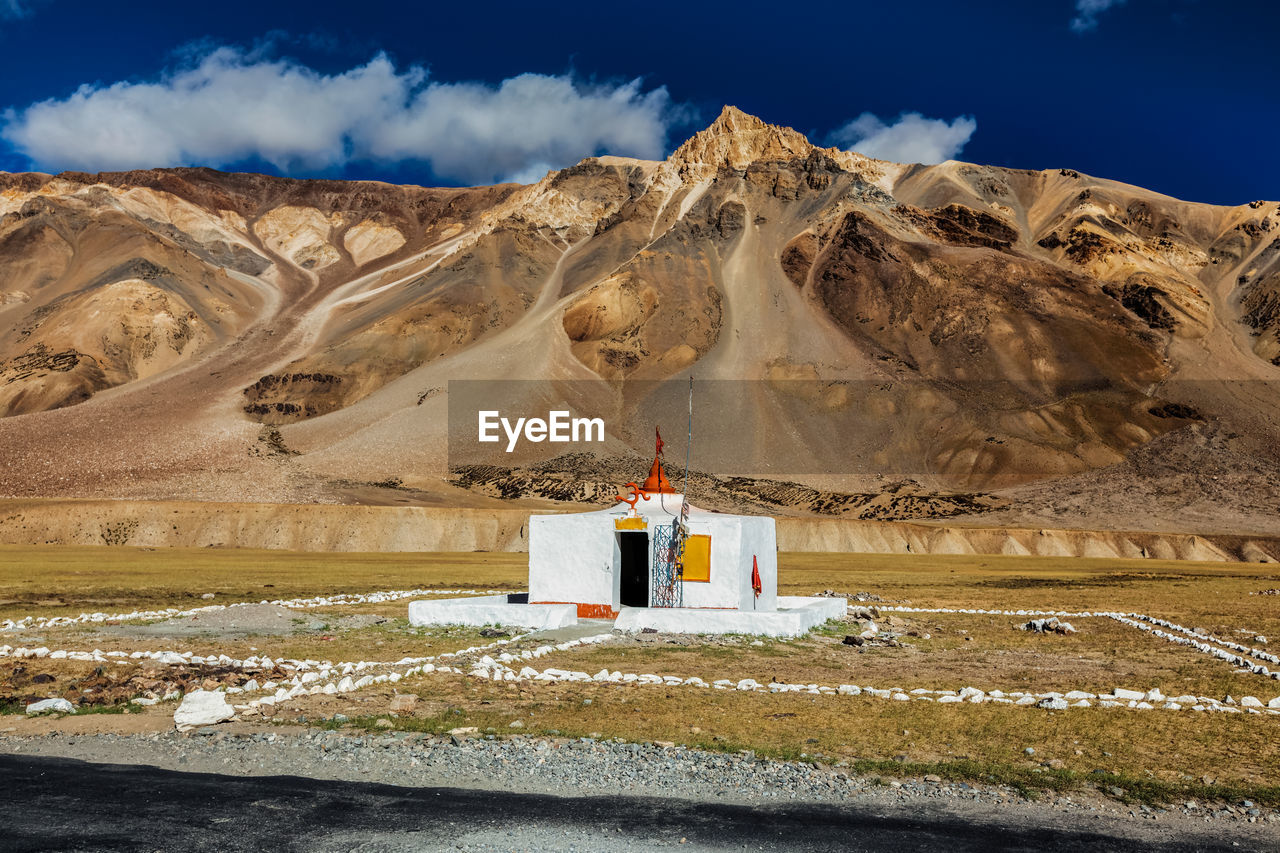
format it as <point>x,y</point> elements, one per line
<point>651,561</point>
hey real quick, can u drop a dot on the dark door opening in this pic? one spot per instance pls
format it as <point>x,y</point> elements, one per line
<point>635,569</point>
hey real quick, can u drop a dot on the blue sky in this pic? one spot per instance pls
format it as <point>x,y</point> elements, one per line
<point>1179,96</point>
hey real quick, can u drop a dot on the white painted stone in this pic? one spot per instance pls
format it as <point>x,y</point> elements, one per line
<point>48,706</point>
<point>1250,702</point>
<point>1125,695</point>
<point>202,708</point>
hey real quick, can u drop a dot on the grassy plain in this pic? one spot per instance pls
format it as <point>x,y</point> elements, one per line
<point>67,579</point>
<point>1153,755</point>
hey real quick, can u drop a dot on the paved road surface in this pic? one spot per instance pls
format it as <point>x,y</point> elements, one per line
<point>63,804</point>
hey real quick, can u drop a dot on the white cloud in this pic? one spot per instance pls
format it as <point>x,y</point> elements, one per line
<point>11,9</point>
<point>911,139</point>
<point>524,126</point>
<point>1087,12</point>
<point>227,106</point>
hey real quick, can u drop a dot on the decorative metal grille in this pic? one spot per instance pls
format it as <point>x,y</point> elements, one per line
<point>666,588</point>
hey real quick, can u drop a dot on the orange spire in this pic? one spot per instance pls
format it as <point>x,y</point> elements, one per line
<point>657,482</point>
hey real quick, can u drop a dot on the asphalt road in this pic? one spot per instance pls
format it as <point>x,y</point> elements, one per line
<point>66,805</point>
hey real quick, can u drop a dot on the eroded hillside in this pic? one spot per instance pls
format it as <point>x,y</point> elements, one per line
<point>187,333</point>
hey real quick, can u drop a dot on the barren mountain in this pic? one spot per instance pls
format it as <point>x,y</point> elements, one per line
<point>959,340</point>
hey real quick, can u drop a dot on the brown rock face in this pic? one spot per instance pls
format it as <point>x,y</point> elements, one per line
<point>965,326</point>
<point>735,141</point>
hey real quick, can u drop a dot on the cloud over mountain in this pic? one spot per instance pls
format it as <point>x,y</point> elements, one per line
<point>222,106</point>
<point>226,106</point>
<point>913,138</point>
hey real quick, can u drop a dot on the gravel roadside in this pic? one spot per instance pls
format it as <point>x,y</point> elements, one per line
<point>587,768</point>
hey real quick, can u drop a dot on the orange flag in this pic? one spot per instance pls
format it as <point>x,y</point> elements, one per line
<point>660,441</point>
<point>755,576</point>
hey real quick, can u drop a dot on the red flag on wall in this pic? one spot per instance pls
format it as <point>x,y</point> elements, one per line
<point>755,576</point>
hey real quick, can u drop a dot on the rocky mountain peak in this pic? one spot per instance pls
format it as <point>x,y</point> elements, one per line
<point>735,140</point>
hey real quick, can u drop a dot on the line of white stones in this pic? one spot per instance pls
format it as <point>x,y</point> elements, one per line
<point>1173,626</point>
<point>292,603</point>
<point>344,677</point>
<point>349,685</point>
<point>498,670</point>
<point>1221,654</point>
<point>1132,620</point>
<point>173,658</point>
<point>314,671</point>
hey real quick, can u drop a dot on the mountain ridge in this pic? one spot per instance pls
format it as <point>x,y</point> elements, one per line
<point>194,303</point>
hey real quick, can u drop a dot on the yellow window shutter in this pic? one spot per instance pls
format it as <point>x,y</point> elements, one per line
<point>697,559</point>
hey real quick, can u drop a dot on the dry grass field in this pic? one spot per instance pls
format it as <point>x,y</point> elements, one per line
<point>986,652</point>
<point>62,580</point>
<point>1147,755</point>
